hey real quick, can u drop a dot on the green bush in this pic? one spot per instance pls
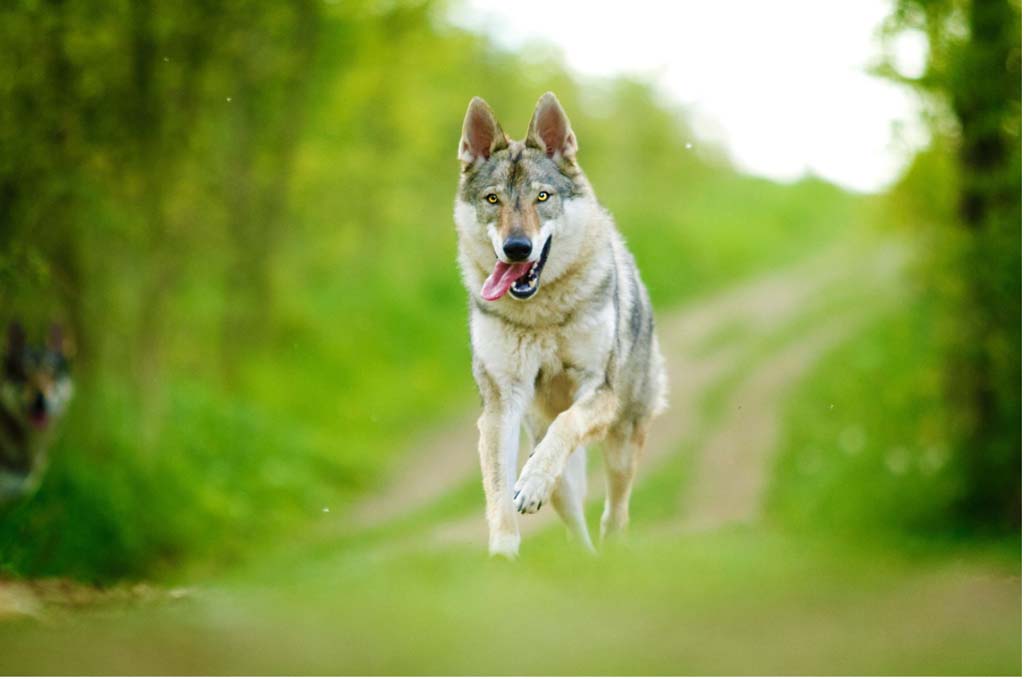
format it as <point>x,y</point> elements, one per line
<point>866,444</point>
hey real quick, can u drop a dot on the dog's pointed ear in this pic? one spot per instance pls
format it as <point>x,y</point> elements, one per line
<point>481,133</point>
<point>56,337</point>
<point>550,130</point>
<point>59,342</point>
<point>15,338</point>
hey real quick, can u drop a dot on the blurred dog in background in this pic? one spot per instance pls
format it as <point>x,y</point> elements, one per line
<point>35,388</point>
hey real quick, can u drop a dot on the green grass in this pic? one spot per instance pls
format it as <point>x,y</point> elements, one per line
<point>663,604</point>
<point>221,474</point>
<point>866,436</point>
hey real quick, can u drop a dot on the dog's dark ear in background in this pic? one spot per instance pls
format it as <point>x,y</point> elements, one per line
<point>55,340</point>
<point>481,134</point>
<point>550,130</point>
<point>59,342</point>
<point>15,338</point>
<point>14,348</point>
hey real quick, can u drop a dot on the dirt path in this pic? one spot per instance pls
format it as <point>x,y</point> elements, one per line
<point>702,341</point>
<point>448,456</point>
<point>50,598</point>
<point>733,462</point>
<point>732,468</point>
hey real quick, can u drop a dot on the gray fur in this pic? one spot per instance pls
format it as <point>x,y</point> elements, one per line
<point>515,170</point>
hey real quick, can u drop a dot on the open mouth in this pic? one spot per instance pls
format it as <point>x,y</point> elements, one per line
<point>521,279</point>
<point>39,420</point>
<point>38,413</point>
<point>525,286</point>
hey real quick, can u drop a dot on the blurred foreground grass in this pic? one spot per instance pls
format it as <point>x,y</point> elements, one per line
<point>734,602</point>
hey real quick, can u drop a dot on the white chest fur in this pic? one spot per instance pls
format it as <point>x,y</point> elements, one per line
<point>517,354</point>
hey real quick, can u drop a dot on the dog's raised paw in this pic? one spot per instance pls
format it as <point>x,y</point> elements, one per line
<point>531,491</point>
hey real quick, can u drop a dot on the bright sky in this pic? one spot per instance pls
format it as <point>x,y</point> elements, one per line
<point>782,85</point>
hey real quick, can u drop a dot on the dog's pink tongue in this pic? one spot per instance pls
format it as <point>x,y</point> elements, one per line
<point>502,278</point>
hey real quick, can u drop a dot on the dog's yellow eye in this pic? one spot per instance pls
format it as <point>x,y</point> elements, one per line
<point>542,196</point>
<point>492,199</point>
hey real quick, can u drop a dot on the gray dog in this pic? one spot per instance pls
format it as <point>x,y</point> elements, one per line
<point>561,325</point>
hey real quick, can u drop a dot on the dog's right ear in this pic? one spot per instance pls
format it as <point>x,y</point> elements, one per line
<point>59,342</point>
<point>550,130</point>
<point>481,134</point>
<point>10,364</point>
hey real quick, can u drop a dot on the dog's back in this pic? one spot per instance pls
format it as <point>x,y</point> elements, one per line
<point>644,386</point>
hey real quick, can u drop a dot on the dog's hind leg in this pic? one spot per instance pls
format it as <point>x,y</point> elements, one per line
<point>622,450</point>
<point>569,495</point>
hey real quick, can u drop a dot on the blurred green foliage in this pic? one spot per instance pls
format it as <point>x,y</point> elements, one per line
<point>243,212</point>
<point>924,436</point>
<point>962,200</point>
<point>866,448</point>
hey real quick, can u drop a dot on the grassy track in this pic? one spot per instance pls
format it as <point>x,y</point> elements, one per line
<point>705,584</point>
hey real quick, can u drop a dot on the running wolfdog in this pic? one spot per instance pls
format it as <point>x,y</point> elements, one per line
<point>561,326</point>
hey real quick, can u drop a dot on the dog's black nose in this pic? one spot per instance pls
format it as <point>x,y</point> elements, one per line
<point>38,404</point>
<point>517,248</point>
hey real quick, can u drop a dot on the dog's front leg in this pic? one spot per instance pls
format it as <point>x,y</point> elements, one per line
<point>499,452</point>
<point>587,419</point>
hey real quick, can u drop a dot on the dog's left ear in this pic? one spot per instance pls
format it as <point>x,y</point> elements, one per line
<point>56,337</point>
<point>550,130</point>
